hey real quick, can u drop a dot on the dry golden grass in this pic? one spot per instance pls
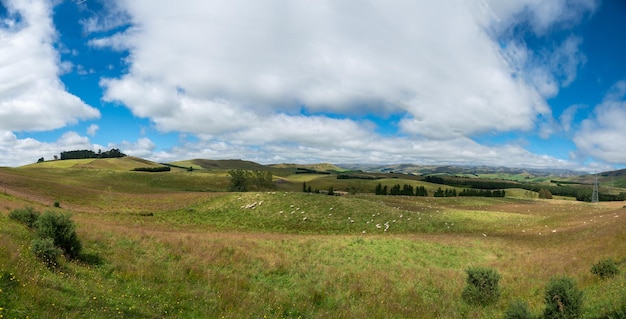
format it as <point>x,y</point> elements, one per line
<point>181,254</point>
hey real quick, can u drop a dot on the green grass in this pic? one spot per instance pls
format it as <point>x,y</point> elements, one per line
<point>154,249</point>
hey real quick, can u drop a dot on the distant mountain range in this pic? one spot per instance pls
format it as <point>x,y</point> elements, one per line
<point>455,169</point>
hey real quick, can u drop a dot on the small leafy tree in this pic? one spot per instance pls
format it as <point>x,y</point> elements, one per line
<point>482,286</point>
<point>563,299</point>
<point>243,181</point>
<point>263,179</point>
<point>605,269</point>
<point>239,180</point>
<point>544,193</point>
<point>62,230</point>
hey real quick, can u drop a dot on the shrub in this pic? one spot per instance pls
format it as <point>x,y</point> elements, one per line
<point>518,310</point>
<point>605,269</point>
<point>544,193</point>
<point>27,216</point>
<point>62,230</point>
<point>482,286</point>
<point>57,204</point>
<point>46,251</point>
<point>563,299</point>
<point>619,313</point>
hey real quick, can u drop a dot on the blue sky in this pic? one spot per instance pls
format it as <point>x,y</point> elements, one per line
<point>525,83</point>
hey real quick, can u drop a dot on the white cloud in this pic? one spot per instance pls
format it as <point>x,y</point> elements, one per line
<point>568,115</point>
<point>379,57</point>
<point>539,15</point>
<point>17,151</point>
<point>602,135</point>
<point>242,72</point>
<point>461,151</point>
<point>143,147</point>
<point>92,129</point>
<point>547,70</point>
<point>110,17</point>
<point>31,95</point>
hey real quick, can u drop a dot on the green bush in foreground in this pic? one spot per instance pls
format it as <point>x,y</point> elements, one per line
<point>482,286</point>
<point>26,215</point>
<point>62,230</point>
<point>605,269</point>
<point>619,313</point>
<point>46,251</point>
<point>563,299</point>
<point>518,310</point>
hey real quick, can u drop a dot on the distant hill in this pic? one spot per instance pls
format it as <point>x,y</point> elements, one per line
<point>325,167</point>
<point>456,169</point>
<point>220,164</point>
<point>611,178</point>
<point>122,163</point>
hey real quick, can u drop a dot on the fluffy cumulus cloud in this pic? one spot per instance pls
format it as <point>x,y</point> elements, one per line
<point>246,72</point>
<point>373,57</point>
<point>459,151</point>
<point>602,135</point>
<point>449,79</point>
<point>20,151</point>
<point>32,97</point>
<point>143,147</point>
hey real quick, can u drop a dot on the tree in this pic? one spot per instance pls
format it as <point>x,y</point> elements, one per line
<point>421,191</point>
<point>263,179</point>
<point>439,193</point>
<point>243,181</point>
<point>407,190</point>
<point>331,191</point>
<point>379,189</point>
<point>544,193</point>
<point>238,180</point>
<point>41,160</point>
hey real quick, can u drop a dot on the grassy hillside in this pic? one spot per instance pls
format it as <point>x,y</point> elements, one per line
<point>157,246</point>
<point>318,167</point>
<point>124,163</point>
<point>220,164</point>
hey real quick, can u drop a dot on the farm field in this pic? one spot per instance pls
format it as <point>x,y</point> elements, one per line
<point>178,245</point>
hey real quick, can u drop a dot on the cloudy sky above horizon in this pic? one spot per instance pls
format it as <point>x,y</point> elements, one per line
<point>526,83</point>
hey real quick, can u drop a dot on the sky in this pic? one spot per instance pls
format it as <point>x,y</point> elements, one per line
<point>524,83</point>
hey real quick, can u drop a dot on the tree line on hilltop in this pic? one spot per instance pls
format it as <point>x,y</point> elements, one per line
<point>82,154</point>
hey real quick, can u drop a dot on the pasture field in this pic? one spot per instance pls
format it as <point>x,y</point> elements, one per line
<point>175,245</point>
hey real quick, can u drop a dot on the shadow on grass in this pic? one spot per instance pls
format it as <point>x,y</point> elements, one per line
<point>90,259</point>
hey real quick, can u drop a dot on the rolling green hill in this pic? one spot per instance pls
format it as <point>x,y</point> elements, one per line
<point>325,167</point>
<point>208,164</point>
<point>176,245</point>
<point>121,163</point>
